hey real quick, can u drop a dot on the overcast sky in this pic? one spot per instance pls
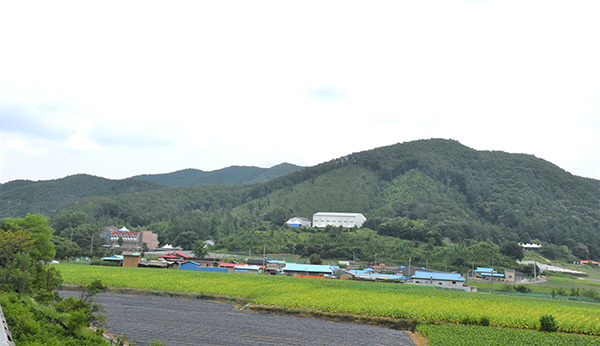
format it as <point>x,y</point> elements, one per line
<point>120,88</point>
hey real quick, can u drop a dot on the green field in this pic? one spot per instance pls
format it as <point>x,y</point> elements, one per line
<point>453,335</point>
<point>379,299</point>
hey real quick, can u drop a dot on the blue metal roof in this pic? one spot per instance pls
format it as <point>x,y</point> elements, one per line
<point>113,258</point>
<point>437,276</point>
<point>310,268</point>
<point>484,269</point>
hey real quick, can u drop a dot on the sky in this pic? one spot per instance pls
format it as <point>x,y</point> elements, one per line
<point>121,88</point>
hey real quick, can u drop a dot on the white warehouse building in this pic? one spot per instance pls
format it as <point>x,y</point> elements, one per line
<point>349,220</point>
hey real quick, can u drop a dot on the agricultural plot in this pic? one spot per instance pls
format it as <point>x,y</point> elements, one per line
<point>451,335</point>
<point>380,299</point>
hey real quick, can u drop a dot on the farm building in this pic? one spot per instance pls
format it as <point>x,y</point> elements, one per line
<point>192,265</point>
<point>298,222</point>
<point>114,258</point>
<point>323,219</point>
<point>307,269</point>
<point>445,280</point>
<point>485,273</point>
<point>131,259</point>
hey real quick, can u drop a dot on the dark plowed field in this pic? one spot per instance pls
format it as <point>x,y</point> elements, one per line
<point>197,322</point>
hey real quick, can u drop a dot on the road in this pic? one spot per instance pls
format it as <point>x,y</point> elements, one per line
<point>179,322</point>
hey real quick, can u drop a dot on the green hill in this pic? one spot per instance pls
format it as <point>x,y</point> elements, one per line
<point>20,197</point>
<point>416,191</point>
<point>232,175</point>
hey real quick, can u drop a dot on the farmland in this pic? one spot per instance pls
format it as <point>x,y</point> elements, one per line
<point>453,335</point>
<point>379,299</point>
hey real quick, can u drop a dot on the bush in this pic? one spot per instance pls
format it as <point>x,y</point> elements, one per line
<point>104,263</point>
<point>522,289</point>
<point>548,324</point>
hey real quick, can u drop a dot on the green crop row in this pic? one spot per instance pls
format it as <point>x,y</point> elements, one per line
<point>460,335</point>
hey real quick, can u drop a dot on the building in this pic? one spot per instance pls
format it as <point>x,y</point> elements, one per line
<point>175,257</point>
<point>367,274</point>
<point>437,279</point>
<point>114,258</point>
<point>485,273</point>
<point>531,246</point>
<point>512,275</point>
<point>131,240</point>
<point>131,258</point>
<point>192,265</point>
<point>298,222</point>
<point>294,269</point>
<point>348,220</point>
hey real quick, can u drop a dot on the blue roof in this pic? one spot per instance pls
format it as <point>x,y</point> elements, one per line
<point>310,268</point>
<point>113,258</point>
<point>495,274</point>
<point>437,276</point>
<point>484,269</point>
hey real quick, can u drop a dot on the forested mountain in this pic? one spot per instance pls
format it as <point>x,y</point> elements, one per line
<point>20,197</point>
<point>232,175</point>
<point>420,192</point>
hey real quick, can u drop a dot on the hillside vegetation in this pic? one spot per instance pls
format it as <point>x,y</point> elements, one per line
<point>428,192</point>
<point>230,175</point>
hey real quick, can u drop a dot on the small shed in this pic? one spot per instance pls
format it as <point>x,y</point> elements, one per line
<point>131,259</point>
<point>299,222</point>
<point>247,269</point>
<point>114,258</point>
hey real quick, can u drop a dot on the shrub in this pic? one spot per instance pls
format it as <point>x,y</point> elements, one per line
<point>548,324</point>
<point>522,289</point>
<point>484,321</point>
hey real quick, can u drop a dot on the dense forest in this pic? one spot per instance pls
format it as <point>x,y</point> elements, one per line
<point>232,175</point>
<point>428,199</point>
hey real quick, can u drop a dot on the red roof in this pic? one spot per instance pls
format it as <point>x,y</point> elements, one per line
<point>174,255</point>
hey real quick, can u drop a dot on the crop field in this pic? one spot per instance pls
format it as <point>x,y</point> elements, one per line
<point>380,299</point>
<point>451,335</point>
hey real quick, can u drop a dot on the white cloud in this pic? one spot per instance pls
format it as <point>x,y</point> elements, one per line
<point>162,87</point>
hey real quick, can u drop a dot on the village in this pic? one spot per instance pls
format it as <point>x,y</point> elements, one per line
<point>134,244</point>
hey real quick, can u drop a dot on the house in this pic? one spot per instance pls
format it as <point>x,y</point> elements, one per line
<point>438,279</point>
<point>512,275</point>
<point>298,222</point>
<point>192,265</point>
<point>158,264</point>
<point>294,269</point>
<point>175,256</point>
<point>323,219</point>
<point>206,261</point>
<point>247,269</point>
<point>485,273</point>
<point>367,275</point>
<point>131,259</point>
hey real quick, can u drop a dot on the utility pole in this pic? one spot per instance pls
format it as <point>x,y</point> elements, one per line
<point>294,253</point>
<point>264,257</point>
<point>534,273</point>
<point>492,278</point>
<point>409,267</point>
<point>92,245</point>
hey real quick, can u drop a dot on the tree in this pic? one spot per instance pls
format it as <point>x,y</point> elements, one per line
<point>12,243</point>
<point>185,239</point>
<point>200,248</point>
<point>512,249</point>
<point>120,241</point>
<point>315,259</point>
